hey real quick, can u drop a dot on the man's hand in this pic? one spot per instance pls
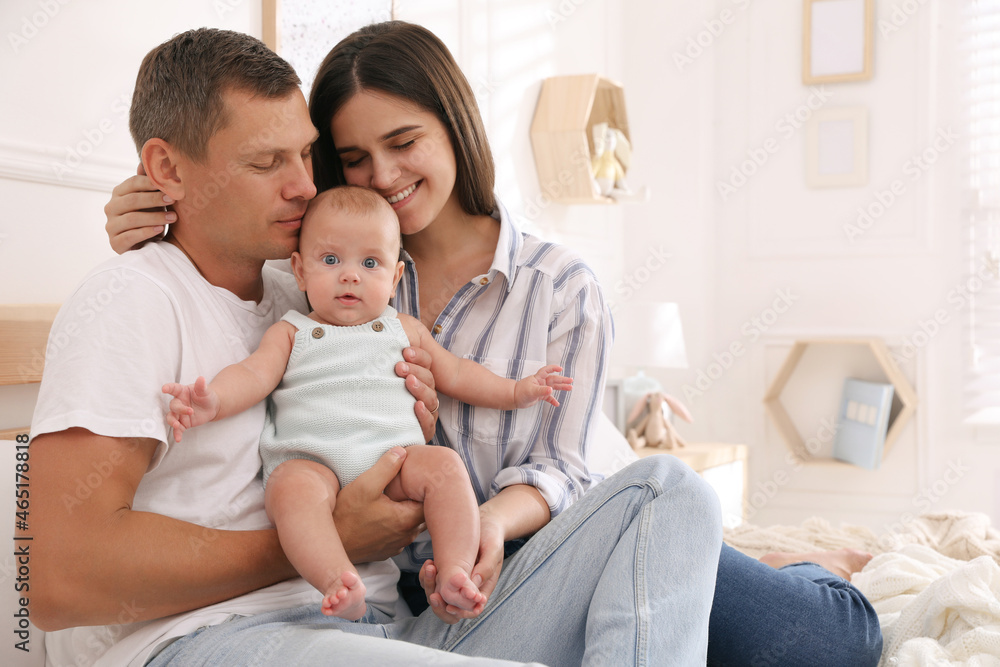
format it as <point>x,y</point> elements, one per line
<point>371,526</point>
<point>419,380</point>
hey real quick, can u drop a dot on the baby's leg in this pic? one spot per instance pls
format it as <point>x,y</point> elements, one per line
<point>436,476</point>
<point>299,499</point>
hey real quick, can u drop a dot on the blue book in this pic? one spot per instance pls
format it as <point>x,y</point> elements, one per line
<point>862,423</point>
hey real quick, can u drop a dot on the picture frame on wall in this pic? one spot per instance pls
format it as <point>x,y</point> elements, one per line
<point>837,40</point>
<point>837,148</point>
<point>303,31</point>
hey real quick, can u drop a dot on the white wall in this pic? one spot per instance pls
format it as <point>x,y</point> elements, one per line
<point>775,234</point>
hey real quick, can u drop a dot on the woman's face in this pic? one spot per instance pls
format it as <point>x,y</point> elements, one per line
<point>401,151</point>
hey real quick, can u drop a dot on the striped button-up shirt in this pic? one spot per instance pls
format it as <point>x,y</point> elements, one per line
<point>538,304</point>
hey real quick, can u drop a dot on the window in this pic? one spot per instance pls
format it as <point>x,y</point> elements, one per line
<point>981,197</point>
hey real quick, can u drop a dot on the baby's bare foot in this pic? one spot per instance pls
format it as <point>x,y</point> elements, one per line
<point>843,562</point>
<point>346,598</point>
<point>456,589</point>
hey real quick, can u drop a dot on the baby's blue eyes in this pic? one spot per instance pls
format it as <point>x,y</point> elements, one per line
<point>369,263</point>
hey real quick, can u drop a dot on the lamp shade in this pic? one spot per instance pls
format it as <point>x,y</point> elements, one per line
<point>649,335</point>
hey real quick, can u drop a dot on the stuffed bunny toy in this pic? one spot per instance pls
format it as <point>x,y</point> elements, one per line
<point>648,426</point>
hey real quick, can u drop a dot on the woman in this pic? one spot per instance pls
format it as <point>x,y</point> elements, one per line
<point>395,114</point>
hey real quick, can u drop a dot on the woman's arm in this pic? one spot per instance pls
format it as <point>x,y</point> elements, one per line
<point>136,212</point>
<point>579,339</point>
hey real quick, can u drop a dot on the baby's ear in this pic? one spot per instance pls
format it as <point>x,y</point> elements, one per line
<point>160,161</point>
<point>298,270</point>
<point>399,274</point>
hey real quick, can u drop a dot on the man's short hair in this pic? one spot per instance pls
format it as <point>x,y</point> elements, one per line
<point>178,93</point>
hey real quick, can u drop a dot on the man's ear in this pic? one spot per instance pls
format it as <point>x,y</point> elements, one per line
<point>160,160</point>
<point>298,270</point>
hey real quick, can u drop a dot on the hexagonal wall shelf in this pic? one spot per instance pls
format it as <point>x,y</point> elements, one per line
<point>568,107</point>
<point>790,433</point>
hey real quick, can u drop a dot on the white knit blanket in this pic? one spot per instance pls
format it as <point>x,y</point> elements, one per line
<point>934,582</point>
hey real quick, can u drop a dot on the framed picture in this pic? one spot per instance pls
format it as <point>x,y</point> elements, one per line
<point>837,40</point>
<point>303,31</point>
<point>614,403</point>
<point>837,148</point>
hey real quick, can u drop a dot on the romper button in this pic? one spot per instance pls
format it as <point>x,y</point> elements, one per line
<point>437,328</point>
<point>377,326</point>
<point>484,281</point>
<point>318,332</point>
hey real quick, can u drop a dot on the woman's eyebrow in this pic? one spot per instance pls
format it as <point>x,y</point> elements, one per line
<point>385,137</point>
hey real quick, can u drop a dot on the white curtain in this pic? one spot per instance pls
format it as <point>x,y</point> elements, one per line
<point>981,203</point>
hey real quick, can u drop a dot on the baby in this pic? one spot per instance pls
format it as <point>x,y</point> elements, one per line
<point>337,405</point>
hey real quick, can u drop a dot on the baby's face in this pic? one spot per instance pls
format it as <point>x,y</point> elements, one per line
<point>348,264</point>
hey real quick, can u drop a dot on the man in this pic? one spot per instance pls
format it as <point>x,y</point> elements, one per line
<point>128,526</point>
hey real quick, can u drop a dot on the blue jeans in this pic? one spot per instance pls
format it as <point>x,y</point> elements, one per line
<point>623,577</point>
<point>798,615</point>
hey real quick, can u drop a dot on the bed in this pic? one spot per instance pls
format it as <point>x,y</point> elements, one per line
<point>935,582</point>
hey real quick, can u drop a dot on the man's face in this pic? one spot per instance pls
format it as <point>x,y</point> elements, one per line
<point>247,197</point>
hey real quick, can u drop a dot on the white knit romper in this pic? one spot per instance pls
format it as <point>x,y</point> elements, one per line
<point>340,402</point>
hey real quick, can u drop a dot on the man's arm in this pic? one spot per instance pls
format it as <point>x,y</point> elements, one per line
<point>97,562</point>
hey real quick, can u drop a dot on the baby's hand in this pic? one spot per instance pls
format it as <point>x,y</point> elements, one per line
<point>541,386</point>
<point>193,405</point>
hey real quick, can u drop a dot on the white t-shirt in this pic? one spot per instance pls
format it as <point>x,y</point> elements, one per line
<point>135,323</point>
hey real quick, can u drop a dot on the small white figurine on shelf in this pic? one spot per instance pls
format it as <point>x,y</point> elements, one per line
<point>612,155</point>
<point>649,426</point>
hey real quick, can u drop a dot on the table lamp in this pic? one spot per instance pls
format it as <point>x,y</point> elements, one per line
<point>647,335</point>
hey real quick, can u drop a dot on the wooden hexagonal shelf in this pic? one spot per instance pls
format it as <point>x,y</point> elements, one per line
<point>790,433</point>
<point>568,107</point>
